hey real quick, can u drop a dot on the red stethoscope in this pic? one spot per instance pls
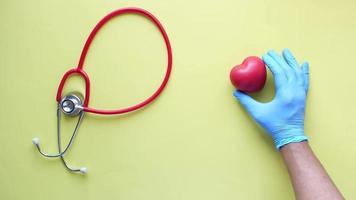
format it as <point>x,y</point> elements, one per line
<point>75,104</point>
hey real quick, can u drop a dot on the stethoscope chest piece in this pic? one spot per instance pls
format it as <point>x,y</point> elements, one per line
<point>71,105</point>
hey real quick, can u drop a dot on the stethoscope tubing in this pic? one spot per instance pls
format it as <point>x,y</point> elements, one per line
<point>80,71</point>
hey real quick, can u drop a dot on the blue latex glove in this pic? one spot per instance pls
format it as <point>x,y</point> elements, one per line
<point>283,117</point>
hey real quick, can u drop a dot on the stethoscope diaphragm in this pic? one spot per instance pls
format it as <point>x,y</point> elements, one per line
<point>71,105</point>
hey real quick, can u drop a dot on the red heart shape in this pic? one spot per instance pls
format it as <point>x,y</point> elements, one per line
<point>250,75</point>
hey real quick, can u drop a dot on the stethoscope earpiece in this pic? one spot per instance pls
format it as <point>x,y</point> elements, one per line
<point>75,104</point>
<point>36,141</point>
<point>83,170</point>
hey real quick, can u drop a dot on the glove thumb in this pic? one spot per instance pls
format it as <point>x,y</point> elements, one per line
<point>248,102</point>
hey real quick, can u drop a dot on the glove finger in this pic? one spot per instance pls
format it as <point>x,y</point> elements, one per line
<point>278,73</point>
<point>305,70</point>
<point>248,102</point>
<point>292,62</point>
<point>280,61</point>
<point>290,59</point>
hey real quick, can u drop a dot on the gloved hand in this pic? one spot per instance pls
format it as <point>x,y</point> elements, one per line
<point>283,117</point>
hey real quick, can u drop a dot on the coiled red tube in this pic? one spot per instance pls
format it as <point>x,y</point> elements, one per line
<point>80,71</point>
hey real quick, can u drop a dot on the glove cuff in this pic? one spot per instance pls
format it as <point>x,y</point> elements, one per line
<point>280,143</point>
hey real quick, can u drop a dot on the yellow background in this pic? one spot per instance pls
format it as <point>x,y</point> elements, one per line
<point>195,141</point>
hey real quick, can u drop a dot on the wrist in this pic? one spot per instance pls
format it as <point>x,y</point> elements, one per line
<point>294,147</point>
<point>285,141</point>
<point>291,136</point>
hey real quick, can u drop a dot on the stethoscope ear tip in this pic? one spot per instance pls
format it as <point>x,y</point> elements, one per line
<point>83,170</point>
<point>36,141</point>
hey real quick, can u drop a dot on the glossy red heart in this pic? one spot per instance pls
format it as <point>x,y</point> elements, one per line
<point>250,75</point>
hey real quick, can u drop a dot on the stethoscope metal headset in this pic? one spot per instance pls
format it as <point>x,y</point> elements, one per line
<point>74,104</point>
